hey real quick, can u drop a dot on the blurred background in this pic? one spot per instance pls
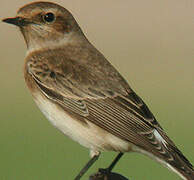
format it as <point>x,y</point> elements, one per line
<point>150,42</point>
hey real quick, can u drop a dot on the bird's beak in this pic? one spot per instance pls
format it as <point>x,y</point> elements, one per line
<point>17,21</point>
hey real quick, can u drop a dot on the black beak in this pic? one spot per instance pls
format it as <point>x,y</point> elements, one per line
<point>18,21</point>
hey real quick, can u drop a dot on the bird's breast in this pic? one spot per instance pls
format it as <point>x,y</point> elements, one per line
<point>88,135</point>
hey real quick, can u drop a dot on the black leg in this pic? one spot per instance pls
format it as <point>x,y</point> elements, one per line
<point>112,165</point>
<point>118,157</point>
<point>87,166</point>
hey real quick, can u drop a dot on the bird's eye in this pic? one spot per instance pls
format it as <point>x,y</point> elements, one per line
<point>49,17</point>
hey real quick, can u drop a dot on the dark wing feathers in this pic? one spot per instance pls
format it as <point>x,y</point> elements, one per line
<point>118,115</point>
<point>108,105</point>
<point>77,106</point>
<point>106,113</point>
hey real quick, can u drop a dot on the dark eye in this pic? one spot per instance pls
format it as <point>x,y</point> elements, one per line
<point>49,17</point>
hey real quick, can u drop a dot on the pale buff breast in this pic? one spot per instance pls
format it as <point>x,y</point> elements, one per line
<point>90,135</point>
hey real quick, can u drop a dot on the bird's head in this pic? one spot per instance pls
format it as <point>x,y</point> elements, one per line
<point>45,23</point>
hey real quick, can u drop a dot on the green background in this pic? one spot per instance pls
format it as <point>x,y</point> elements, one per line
<point>150,42</point>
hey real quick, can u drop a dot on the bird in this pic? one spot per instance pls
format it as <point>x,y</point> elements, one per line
<point>84,96</point>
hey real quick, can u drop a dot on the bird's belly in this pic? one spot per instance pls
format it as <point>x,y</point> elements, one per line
<point>88,135</point>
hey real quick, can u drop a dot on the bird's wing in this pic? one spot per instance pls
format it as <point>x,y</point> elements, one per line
<point>116,109</point>
<point>73,84</point>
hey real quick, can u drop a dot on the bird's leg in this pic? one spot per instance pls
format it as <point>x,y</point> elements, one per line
<point>112,165</point>
<point>87,166</point>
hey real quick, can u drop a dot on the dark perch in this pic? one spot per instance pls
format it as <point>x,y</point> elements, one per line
<point>102,175</point>
<point>106,174</point>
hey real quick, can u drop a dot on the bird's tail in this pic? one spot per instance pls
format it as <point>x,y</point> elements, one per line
<point>179,163</point>
<point>174,161</point>
<point>164,151</point>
